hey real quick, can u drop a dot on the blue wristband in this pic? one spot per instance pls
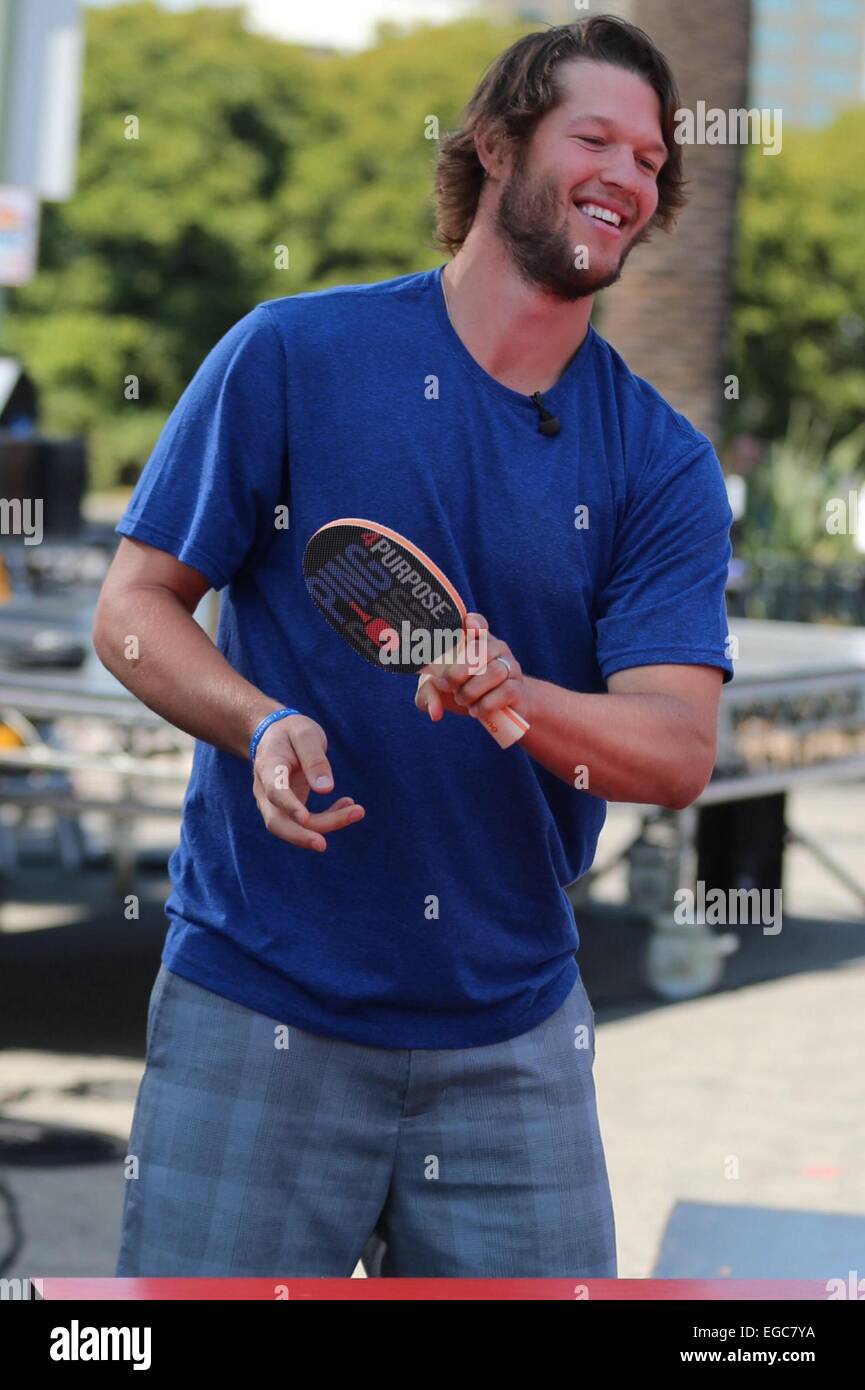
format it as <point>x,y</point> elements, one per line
<point>265,724</point>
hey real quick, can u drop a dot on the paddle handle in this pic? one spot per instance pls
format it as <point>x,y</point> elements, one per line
<point>505,726</point>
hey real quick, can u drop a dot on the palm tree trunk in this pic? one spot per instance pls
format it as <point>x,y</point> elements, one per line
<point>669,315</point>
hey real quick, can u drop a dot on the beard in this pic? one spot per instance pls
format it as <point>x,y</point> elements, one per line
<point>540,242</point>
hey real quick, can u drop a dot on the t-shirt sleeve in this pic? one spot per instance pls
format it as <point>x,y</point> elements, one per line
<point>209,491</point>
<point>663,603</point>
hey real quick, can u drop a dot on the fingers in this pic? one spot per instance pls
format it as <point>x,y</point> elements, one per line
<point>311,835</point>
<point>272,786</point>
<point>434,697</point>
<point>427,697</point>
<point>496,674</point>
<point>309,743</point>
<point>474,686</point>
<point>291,760</point>
<point>295,744</point>
<point>343,812</point>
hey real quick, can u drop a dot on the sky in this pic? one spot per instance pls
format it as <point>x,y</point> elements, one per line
<point>336,23</point>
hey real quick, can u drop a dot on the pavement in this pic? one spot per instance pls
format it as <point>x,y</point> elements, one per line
<point>733,1124</point>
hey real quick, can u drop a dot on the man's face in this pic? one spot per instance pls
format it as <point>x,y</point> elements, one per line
<point>602,149</point>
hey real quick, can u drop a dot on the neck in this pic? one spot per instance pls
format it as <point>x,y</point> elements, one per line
<point>521,336</point>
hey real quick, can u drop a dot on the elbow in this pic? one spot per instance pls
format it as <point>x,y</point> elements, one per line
<point>689,782</point>
<point>98,633</point>
<point>97,636</point>
<point>101,632</point>
<point>681,800</point>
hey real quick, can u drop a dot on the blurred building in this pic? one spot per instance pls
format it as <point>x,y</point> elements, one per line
<point>808,57</point>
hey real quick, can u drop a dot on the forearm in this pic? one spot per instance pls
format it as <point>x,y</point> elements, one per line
<point>155,647</point>
<point>639,748</point>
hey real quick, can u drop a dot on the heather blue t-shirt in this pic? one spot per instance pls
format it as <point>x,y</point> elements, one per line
<point>440,920</point>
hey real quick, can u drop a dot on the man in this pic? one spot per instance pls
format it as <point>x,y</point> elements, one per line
<point>384,1045</point>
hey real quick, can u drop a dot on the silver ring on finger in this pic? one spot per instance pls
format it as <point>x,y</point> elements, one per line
<point>505,663</point>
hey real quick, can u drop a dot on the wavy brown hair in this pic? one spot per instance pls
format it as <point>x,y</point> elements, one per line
<point>520,86</point>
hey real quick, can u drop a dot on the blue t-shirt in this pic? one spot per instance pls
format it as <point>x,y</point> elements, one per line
<point>440,920</point>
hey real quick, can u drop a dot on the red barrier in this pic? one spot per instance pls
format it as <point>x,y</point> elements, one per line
<point>570,1290</point>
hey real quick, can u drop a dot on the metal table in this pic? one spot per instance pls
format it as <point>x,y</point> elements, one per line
<point>794,714</point>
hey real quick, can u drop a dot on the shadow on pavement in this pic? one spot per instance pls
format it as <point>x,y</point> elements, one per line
<point>84,987</point>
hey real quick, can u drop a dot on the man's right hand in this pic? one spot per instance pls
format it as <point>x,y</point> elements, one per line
<point>176,669</point>
<point>290,762</point>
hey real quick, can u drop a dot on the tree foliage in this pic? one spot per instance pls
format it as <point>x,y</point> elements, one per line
<point>799,331</point>
<point>168,239</point>
<point>247,145</point>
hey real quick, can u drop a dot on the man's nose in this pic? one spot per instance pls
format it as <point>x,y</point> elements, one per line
<point>621,169</point>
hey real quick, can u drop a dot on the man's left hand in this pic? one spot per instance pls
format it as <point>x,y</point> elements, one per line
<point>472,687</point>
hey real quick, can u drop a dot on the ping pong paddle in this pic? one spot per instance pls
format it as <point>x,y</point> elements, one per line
<point>392,605</point>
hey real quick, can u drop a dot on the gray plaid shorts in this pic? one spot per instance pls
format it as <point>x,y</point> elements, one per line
<point>265,1150</point>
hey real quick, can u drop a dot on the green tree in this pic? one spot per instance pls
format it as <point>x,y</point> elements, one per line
<point>789,511</point>
<point>358,206</point>
<point>799,326</point>
<point>245,145</point>
<point>169,238</point>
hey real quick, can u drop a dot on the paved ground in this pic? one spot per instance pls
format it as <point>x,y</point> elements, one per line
<point>749,1100</point>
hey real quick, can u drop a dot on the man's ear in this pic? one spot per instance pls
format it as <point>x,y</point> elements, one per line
<point>494,150</point>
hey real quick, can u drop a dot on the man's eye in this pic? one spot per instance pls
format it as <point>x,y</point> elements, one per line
<point>596,140</point>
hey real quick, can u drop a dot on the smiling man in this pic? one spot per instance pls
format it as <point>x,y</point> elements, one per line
<point>369,1032</point>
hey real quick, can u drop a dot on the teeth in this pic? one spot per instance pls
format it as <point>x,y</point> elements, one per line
<point>604,214</point>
